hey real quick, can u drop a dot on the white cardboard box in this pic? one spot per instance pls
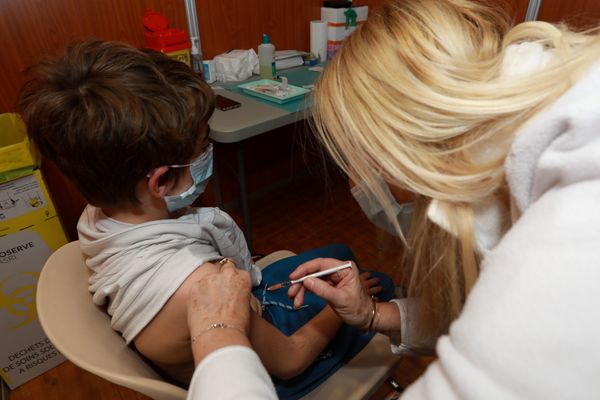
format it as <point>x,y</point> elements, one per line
<point>337,16</point>
<point>29,232</point>
<point>339,27</point>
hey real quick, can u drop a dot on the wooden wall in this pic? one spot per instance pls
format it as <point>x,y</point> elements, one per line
<point>578,13</point>
<point>32,29</point>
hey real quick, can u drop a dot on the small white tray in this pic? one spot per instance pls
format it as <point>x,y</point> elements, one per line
<point>267,89</point>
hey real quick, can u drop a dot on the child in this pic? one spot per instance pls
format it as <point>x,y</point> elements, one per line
<point>129,127</point>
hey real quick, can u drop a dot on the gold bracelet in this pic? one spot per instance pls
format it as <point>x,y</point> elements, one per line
<point>373,312</point>
<point>376,319</point>
<point>374,315</point>
<point>218,325</point>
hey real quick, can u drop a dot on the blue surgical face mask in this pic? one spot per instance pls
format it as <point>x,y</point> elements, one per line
<point>375,212</point>
<point>201,170</point>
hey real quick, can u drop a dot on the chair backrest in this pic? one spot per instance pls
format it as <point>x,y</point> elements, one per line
<point>81,331</point>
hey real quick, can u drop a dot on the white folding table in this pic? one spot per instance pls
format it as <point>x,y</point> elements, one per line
<point>253,118</point>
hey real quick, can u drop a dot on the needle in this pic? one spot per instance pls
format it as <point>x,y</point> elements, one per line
<point>313,275</point>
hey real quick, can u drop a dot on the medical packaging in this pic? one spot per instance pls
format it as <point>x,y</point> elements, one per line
<point>171,41</point>
<point>208,70</point>
<point>29,232</point>
<point>341,22</point>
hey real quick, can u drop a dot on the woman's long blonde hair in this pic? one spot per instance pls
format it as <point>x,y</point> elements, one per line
<point>415,95</point>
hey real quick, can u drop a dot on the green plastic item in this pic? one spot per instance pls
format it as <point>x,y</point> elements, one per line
<point>351,17</point>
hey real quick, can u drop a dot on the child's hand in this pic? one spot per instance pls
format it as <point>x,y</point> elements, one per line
<point>371,284</point>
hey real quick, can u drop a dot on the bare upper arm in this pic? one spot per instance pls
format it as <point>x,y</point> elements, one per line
<point>166,339</point>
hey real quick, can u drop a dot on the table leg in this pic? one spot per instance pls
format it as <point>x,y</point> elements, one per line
<point>244,194</point>
<point>216,183</point>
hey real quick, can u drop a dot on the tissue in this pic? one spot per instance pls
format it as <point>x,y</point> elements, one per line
<point>236,65</point>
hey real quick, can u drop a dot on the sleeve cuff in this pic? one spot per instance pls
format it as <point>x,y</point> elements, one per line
<point>403,342</point>
<point>232,372</point>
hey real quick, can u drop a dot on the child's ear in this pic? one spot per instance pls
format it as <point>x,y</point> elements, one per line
<point>158,186</point>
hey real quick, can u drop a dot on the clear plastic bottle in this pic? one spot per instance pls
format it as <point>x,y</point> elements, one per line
<point>266,58</point>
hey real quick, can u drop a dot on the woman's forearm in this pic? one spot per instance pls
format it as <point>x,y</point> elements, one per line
<point>387,318</point>
<point>214,339</point>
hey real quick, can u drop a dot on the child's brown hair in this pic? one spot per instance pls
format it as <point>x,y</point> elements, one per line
<point>107,113</point>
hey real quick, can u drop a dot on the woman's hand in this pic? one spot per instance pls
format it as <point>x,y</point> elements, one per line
<point>343,290</point>
<point>221,296</point>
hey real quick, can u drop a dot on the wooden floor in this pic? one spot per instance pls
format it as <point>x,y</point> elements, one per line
<point>310,210</point>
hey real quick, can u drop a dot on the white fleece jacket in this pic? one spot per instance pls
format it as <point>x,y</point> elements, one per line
<point>136,268</point>
<point>530,328</point>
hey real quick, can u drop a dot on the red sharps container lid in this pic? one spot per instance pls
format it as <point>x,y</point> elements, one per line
<point>159,36</point>
<point>155,22</point>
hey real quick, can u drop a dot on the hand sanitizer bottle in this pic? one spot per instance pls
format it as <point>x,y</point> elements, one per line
<point>266,58</point>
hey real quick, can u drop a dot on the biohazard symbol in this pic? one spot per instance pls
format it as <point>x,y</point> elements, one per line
<point>20,302</point>
<point>35,201</point>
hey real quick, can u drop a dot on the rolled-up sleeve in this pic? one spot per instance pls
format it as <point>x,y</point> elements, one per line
<point>405,342</point>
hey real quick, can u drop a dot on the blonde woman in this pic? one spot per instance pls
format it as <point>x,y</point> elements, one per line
<point>496,130</point>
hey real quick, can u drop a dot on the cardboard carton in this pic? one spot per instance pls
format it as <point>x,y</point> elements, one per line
<point>341,24</point>
<point>29,232</point>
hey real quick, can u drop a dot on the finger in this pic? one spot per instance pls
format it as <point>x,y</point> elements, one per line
<point>195,289</point>
<point>338,276</point>
<point>243,276</point>
<point>375,290</point>
<point>322,289</point>
<point>365,275</point>
<point>299,299</point>
<point>372,282</point>
<point>293,290</point>
<point>317,264</point>
<point>195,300</point>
